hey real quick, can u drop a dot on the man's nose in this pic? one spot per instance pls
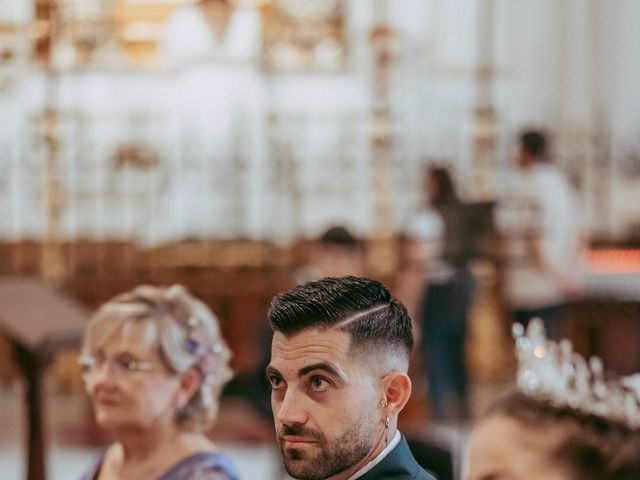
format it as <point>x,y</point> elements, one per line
<point>291,409</point>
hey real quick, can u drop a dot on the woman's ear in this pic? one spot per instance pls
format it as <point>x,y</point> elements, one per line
<point>189,384</point>
<point>397,390</point>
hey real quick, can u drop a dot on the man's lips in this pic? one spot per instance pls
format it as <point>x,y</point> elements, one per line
<point>291,441</point>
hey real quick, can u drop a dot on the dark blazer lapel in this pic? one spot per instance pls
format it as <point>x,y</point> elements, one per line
<point>398,464</point>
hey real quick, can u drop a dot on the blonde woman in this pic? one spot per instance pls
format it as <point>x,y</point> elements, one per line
<point>154,363</point>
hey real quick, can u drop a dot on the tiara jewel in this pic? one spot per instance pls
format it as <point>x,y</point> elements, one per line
<point>552,371</point>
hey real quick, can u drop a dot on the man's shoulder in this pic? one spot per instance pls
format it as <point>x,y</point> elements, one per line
<point>398,465</point>
<point>421,474</point>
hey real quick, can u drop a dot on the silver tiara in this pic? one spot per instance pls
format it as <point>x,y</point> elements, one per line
<point>552,371</point>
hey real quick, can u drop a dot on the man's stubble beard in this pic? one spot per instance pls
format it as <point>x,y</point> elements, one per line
<point>334,456</point>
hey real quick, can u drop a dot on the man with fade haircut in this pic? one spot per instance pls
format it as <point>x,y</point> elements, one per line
<point>338,376</point>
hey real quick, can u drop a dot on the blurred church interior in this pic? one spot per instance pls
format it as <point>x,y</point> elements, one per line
<point>137,147</point>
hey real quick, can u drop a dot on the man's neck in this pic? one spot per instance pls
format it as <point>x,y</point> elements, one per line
<point>381,444</point>
<point>378,458</point>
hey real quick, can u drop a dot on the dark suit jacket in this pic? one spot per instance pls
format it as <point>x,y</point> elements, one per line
<point>399,464</point>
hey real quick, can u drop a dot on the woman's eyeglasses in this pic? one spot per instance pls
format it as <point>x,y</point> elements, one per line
<point>121,366</point>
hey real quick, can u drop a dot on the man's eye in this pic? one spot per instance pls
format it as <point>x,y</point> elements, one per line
<point>274,381</point>
<point>319,384</point>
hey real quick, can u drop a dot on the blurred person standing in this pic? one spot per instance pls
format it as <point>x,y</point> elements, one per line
<point>216,103</point>
<point>544,240</point>
<point>154,363</point>
<point>442,233</point>
<point>214,48</point>
<point>211,31</point>
<point>337,253</point>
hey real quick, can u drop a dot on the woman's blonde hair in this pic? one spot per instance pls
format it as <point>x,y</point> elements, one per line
<point>188,336</point>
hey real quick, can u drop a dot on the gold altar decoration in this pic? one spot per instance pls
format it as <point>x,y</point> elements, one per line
<point>220,254</point>
<point>131,29</point>
<point>135,155</point>
<point>483,115</point>
<point>40,30</point>
<point>383,251</point>
<point>489,351</point>
<point>52,259</point>
<point>299,35</point>
<point>484,146</point>
<point>13,49</point>
<point>70,33</point>
<point>139,27</point>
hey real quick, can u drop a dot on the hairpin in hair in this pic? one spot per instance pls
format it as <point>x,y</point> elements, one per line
<point>553,372</point>
<point>196,337</point>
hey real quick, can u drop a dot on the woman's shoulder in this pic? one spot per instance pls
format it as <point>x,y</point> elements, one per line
<point>203,465</point>
<point>94,469</point>
<point>206,465</point>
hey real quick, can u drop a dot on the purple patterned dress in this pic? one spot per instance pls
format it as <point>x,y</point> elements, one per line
<point>199,466</point>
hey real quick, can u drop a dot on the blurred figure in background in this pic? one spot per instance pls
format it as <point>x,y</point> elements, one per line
<point>217,106</point>
<point>562,422</point>
<point>154,363</point>
<point>214,49</point>
<point>211,31</point>
<point>442,229</point>
<point>337,254</point>
<point>543,236</point>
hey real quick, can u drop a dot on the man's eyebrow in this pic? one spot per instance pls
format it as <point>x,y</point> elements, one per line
<point>310,368</point>
<point>321,366</point>
<point>272,371</point>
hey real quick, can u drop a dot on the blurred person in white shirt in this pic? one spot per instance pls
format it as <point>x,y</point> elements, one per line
<point>542,225</point>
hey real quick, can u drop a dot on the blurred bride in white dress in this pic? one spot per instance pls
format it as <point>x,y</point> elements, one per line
<point>213,49</point>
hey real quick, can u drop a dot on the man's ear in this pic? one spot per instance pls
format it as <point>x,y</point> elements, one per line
<point>397,390</point>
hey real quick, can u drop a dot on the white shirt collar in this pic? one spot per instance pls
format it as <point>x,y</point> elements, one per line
<point>390,446</point>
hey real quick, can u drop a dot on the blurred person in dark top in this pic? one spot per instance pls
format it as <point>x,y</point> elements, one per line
<point>443,229</point>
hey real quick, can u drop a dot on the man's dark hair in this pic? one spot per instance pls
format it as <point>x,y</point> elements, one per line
<point>534,143</point>
<point>360,306</point>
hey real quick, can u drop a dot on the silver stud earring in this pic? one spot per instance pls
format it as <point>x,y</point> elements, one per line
<point>384,403</point>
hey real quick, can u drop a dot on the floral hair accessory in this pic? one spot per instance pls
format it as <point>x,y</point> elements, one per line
<point>197,336</point>
<point>197,344</point>
<point>207,364</point>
